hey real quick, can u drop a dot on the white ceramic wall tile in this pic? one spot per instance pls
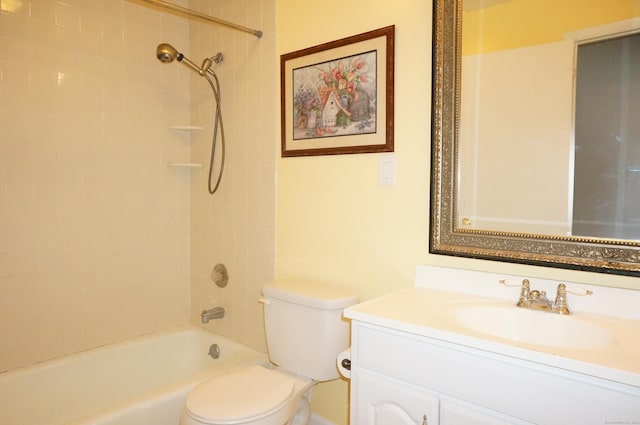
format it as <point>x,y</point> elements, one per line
<point>97,235</point>
<point>236,225</point>
<point>94,230</point>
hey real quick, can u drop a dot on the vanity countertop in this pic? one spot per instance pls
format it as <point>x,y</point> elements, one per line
<point>429,311</point>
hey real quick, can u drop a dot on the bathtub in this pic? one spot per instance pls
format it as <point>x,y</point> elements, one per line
<point>143,381</point>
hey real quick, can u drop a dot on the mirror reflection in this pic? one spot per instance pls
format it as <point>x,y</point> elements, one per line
<point>518,159</point>
<point>550,115</point>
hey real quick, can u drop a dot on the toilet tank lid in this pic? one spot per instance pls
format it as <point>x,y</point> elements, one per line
<point>312,294</point>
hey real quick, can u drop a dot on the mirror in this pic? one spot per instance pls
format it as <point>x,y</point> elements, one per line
<point>508,158</point>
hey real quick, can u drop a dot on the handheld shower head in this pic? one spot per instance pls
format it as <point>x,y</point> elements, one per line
<point>167,53</point>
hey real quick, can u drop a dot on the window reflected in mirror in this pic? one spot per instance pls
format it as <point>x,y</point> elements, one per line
<point>606,200</point>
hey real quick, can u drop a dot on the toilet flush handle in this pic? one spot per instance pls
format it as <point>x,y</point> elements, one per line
<point>264,301</point>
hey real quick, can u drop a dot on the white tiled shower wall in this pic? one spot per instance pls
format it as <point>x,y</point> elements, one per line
<point>99,239</point>
<point>235,226</point>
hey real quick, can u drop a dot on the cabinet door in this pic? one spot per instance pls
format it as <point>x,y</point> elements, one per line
<point>460,413</point>
<point>379,400</point>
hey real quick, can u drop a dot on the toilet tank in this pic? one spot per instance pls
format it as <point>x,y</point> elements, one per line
<point>304,326</point>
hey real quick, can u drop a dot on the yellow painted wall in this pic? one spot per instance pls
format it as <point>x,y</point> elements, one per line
<point>333,221</point>
<point>518,23</point>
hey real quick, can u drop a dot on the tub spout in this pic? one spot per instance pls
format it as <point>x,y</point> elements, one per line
<point>214,313</point>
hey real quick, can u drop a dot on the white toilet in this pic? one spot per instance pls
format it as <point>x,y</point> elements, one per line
<point>305,333</point>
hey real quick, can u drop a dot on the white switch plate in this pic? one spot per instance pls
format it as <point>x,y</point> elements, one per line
<point>387,169</point>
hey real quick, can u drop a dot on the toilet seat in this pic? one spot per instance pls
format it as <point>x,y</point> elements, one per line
<point>242,396</point>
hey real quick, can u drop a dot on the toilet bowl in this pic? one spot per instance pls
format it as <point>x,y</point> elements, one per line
<point>256,395</point>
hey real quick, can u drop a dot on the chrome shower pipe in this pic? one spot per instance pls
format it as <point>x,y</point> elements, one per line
<point>199,15</point>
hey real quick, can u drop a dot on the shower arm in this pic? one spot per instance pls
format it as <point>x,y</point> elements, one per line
<point>196,14</point>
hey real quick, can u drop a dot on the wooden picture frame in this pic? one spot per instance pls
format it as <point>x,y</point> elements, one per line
<point>337,97</point>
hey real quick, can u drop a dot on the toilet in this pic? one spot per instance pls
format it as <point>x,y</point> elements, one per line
<point>305,333</point>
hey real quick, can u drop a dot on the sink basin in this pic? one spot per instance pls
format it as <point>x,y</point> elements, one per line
<point>504,320</point>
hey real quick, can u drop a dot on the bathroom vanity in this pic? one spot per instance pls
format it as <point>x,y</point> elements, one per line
<point>455,350</point>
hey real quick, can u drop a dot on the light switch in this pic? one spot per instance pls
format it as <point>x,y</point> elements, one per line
<point>387,170</point>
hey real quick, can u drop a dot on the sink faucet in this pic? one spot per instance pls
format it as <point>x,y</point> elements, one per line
<point>214,313</point>
<point>533,299</point>
<point>537,300</point>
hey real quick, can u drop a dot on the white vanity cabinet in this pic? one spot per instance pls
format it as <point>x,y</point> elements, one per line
<point>400,377</point>
<point>382,400</point>
<point>385,401</point>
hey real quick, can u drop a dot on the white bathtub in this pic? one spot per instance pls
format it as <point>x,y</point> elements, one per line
<point>143,381</point>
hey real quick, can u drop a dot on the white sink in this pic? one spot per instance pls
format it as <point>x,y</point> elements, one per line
<point>503,320</point>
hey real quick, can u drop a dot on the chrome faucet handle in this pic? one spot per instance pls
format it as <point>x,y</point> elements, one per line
<point>578,291</point>
<point>560,304</point>
<point>524,300</point>
<point>510,283</point>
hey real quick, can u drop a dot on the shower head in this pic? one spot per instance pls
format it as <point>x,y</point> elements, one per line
<point>167,53</point>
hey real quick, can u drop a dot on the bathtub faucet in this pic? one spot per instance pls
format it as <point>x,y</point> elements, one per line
<point>214,313</point>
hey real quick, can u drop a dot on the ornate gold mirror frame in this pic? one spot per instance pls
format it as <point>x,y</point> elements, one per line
<point>446,237</point>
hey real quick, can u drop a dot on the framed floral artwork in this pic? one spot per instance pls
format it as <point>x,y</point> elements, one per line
<point>337,97</point>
